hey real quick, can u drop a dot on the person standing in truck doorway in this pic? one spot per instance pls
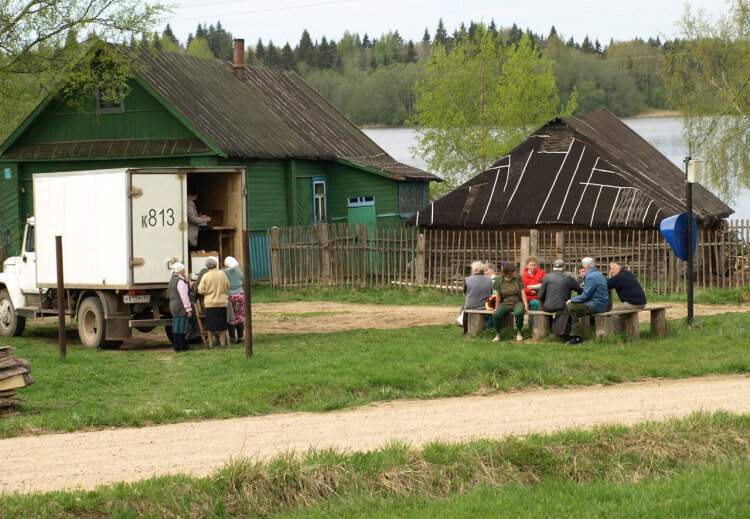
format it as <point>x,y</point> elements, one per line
<point>195,219</point>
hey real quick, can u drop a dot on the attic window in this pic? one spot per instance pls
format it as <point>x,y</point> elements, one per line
<point>109,101</point>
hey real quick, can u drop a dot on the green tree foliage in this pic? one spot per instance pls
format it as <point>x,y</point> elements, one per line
<point>479,101</point>
<point>707,75</point>
<point>199,48</point>
<point>39,45</point>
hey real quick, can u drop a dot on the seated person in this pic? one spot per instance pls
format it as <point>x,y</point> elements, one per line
<point>511,297</point>
<point>593,299</point>
<point>478,288</point>
<point>490,271</point>
<point>532,279</point>
<point>628,289</point>
<point>556,288</point>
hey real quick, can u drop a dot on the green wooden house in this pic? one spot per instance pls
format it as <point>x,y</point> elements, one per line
<point>306,162</point>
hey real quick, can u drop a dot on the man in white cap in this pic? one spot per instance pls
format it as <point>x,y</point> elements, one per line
<point>179,306</point>
<point>592,300</point>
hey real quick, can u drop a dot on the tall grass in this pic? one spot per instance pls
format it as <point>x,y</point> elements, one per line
<point>449,480</point>
<point>322,372</point>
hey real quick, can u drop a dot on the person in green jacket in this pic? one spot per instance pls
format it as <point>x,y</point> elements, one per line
<point>510,296</point>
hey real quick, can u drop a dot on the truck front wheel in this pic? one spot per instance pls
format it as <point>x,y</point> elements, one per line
<point>91,325</point>
<point>11,324</point>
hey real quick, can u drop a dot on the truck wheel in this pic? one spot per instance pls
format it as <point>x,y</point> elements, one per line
<point>91,327</point>
<point>144,329</point>
<point>11,324</point>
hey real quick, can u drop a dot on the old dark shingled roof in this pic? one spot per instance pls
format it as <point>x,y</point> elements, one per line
<point>589,170</point>
<point>325,128</point>
<point>235,116</point>
<point>266,114</point>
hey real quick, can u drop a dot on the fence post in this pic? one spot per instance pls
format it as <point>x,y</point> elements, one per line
<point>60,297</point>
<point>533,244</point>
<point>361,242</point>
<point>325,252</point>
<point>420,260</point>
<point>525,251</point>
<point>559,245</point>
<point>275,252</point>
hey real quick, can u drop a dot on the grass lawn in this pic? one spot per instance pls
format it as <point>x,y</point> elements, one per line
<point>696,466</point>
<point>321,372</point>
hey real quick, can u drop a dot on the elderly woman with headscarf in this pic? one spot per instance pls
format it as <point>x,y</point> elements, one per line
<point>236,298</point>
<point>214,287</point>
<point>179,306</point>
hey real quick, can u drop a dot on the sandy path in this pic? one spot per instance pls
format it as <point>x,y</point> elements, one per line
<point>84,460</point>
<point>321,317</point>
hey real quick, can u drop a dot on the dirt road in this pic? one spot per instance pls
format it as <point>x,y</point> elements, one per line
<point>321,317</point>
<point>88,459</point>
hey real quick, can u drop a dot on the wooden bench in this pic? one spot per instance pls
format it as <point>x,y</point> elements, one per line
<point>607,323</point>
<point>626,321</point>
<point>542,323</point>
<point>475,320</point>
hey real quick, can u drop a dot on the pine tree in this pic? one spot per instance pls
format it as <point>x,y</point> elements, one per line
<point>426,36</point>
<point>260,53</point>
<point>272,59</point>
<point>492,29</point>
<point>441,35</point>
<point>169,34</point>
<point>411,52</point>
<point>304,50</point>
<point>586,46</point>
<point>515,34</point>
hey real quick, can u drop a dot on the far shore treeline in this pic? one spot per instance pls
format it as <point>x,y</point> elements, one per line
<point>371,79</point>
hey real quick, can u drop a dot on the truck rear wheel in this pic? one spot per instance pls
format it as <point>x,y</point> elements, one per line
<point>11,324</point>
<point>91,325</point>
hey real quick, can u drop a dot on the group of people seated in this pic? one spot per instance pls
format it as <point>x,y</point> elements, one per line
<point>534,289</point>
<point>222,297</point>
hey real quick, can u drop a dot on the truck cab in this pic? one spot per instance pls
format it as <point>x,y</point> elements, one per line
<point>17,283</point>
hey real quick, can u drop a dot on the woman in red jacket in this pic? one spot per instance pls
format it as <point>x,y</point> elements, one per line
<point>532,278</point>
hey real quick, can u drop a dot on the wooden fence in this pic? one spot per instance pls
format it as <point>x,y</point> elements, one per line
<point>368,255</point>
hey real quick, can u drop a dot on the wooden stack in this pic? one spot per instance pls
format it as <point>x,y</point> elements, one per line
<point>14,374</point>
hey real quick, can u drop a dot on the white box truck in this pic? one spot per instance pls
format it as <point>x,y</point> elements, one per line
<point>121,231</point>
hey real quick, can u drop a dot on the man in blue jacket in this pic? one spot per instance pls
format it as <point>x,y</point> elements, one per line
<point>592,300</point>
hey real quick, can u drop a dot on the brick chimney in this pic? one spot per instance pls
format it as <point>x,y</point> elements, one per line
<point>239,57</point>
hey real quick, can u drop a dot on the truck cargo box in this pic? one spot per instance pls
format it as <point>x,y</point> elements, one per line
<point>123,228</point>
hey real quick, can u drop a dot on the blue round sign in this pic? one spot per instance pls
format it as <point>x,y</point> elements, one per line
<point>674,230</point>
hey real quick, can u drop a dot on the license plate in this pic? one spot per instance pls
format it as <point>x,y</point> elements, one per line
<point>128,299</point>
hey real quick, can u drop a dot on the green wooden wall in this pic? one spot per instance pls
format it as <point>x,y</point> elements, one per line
<point>347,181</point>
<point>10,215</point>
<point>279,191</point>
<point>144,117</point>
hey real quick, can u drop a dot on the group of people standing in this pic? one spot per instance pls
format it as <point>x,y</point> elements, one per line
<point>534,289</point>
<point>222,297</point>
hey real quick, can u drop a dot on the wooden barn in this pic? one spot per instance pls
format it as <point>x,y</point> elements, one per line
<point>588,171</point>
<point>306,162</point>
<point>583,185</point>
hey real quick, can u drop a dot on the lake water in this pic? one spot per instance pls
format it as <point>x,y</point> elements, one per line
<point>664,133</point>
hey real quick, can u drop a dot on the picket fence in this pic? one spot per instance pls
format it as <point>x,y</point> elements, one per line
<point>355,255</point>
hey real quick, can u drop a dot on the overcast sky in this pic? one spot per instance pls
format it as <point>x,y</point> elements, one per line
<point>284,20</point>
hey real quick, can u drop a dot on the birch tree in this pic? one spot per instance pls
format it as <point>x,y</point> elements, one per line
<point>479,101</point>
<point>707,75</point>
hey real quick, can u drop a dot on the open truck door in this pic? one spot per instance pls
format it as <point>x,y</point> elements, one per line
<point>159,225</point>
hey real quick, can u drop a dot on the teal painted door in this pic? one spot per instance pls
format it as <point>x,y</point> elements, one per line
<point>362,210</point>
